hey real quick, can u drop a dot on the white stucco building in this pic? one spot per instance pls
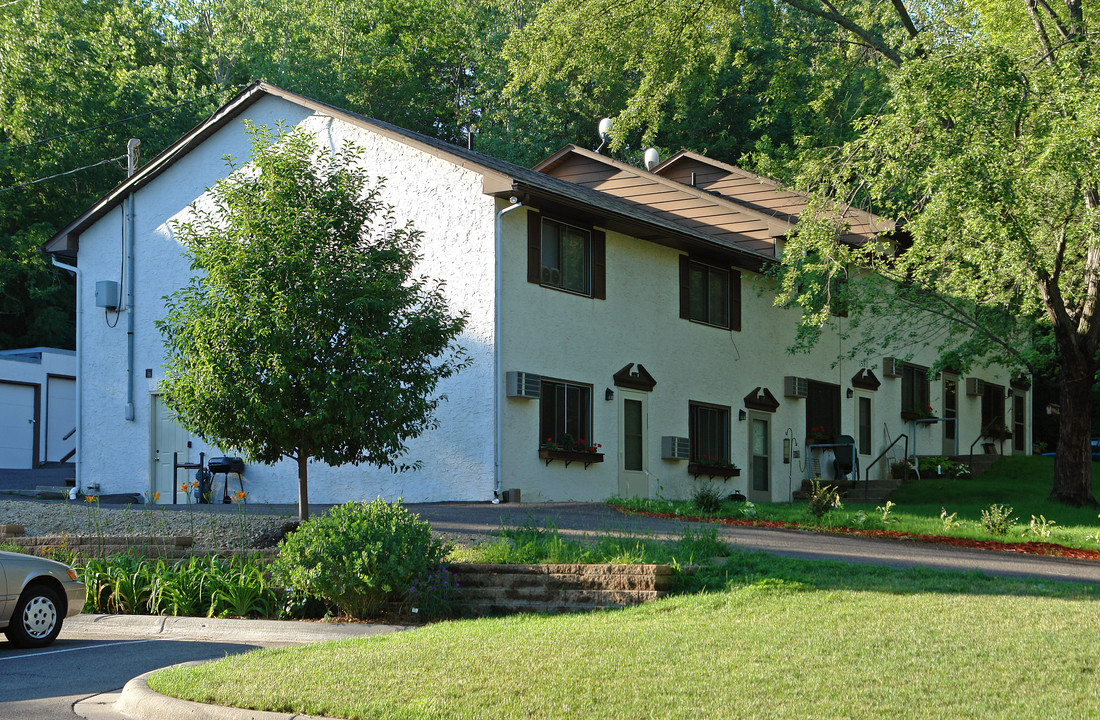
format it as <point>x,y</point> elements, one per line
<point>619,306</point>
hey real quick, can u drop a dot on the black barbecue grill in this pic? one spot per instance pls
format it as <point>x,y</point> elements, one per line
<point>227,465</point>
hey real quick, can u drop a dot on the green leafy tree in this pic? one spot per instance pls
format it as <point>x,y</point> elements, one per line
<point>305,332</point>
<point>749,82</point>
<point>987,153</point>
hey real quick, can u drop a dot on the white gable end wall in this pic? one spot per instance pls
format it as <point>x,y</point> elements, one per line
<point>440,199</point>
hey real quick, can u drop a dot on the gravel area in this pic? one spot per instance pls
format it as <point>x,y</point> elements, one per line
<point>211,530</point>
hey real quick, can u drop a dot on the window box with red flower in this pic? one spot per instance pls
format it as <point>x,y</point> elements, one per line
<point>713,467</point>
<point>923,412</point>
<point>570,450</point>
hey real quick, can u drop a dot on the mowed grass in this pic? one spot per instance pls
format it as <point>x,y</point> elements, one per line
<point>766,637</point>
<point>1022,483</point>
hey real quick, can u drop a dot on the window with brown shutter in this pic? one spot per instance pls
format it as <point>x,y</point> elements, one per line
<point>566,257</point>
<point>710,294</point>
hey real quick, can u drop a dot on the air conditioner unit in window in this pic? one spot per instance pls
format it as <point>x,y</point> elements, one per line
<point>675,448</point>
<point>796,387</point>
<point>891,367</point>
<point>551,276</point>
<point>523,385</point>
<point>975,387</point>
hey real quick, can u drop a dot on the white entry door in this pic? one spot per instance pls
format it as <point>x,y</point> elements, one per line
<point>168,438</point>
<point>633,441</point>
<point>760,457</point>
<point>60,418</point>
<point>18,426</point>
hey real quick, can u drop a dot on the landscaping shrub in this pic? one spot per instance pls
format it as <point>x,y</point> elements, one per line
<point>203,587</point>
<point>997,519</point>
<point>707,498</point>
<point>823,498</point>
<point>358,556</point>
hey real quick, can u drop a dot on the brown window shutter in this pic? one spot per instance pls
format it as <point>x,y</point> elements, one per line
<point>735,299</point>
<point>599,264</point>
<point>534,247</point>
<point>685,288</point>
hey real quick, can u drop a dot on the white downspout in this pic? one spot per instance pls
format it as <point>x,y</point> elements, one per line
<point>498,370</point>
<point>79,378</point>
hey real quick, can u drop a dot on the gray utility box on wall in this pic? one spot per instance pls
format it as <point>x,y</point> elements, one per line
<point>106,294</point>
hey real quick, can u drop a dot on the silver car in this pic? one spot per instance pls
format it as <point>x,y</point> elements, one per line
<point>36,595</point>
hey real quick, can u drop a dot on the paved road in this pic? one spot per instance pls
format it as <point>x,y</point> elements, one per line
<point>81,674</point>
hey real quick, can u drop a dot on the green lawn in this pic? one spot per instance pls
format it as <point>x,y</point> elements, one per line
<point>767,637</point>
<point>1022,483</point>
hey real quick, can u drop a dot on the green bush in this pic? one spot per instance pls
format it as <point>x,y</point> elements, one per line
<point>707,498</point>
<point>358,556</point>
<point>997,519</point>
<point>203,587</point>
<point>823,499</point>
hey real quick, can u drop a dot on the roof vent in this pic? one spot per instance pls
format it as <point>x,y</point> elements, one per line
<point>605,132</point>
<point>652,158</point>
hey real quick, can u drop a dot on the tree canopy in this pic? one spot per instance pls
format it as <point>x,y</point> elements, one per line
<point>305,332</point>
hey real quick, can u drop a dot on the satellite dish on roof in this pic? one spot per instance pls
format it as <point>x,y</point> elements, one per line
<point>605,132</point>
<point>652,158</point>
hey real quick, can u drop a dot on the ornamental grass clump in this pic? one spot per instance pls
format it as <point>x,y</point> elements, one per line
<point>358,556</point>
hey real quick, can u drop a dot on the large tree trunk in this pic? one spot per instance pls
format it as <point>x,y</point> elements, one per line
<point>1073,462</point>
<point>303,492</point>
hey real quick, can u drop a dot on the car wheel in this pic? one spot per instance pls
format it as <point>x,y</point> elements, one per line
<point>36,621</point>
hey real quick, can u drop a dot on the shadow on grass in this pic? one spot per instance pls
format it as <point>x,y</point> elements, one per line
<point>748,568</point>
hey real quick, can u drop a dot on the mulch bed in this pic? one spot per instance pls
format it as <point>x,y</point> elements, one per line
<point>1031,547</point>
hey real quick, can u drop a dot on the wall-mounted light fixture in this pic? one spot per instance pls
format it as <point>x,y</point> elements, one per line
<point>741,415</point>
<point>849,393</point>
<point>609,394</point>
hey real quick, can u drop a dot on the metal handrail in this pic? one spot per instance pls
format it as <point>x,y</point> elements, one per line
<point>981,435</point>
<point>867,472</point>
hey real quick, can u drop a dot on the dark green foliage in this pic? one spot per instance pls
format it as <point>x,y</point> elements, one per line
<point>359,555</point>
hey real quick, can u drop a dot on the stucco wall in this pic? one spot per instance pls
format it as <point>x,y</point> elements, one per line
<point>585,340</point>
<point>441,199</point>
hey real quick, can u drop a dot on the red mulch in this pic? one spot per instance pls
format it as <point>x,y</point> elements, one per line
<point>1031,547</point>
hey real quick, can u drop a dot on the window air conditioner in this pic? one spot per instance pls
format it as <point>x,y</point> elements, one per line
<point>675,448</point>
<point>975,387</point>
<point>796,387</point>
<point>523,385</point>
<point>891,367</point>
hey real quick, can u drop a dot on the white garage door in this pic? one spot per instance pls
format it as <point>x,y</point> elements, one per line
<point>60,418</point>
<point>16,426</point>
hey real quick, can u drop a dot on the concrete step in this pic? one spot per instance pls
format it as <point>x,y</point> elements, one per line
<point>52,492</point>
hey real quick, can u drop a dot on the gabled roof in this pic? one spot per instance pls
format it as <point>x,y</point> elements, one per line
<point>760,193</point>
<point>738,231</point>
<point>729,223</point>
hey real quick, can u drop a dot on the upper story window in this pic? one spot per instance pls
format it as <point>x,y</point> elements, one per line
<point>565,256</point>
<point>914,389</point>
<point>710,293</point>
